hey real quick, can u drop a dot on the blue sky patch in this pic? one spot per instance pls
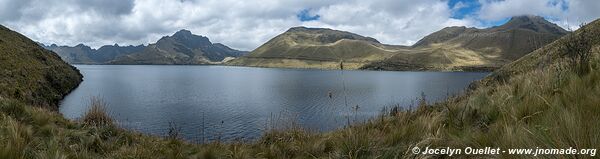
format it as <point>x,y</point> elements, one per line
<point>463,8</point>
<point>304,15</point>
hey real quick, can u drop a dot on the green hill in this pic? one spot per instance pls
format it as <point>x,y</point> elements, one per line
<point>31,73</point>
<point>321,48</point>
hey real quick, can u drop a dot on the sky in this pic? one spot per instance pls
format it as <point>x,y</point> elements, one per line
<point>247,24</point>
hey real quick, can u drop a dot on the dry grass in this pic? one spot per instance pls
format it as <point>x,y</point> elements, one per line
<point>97,114</point>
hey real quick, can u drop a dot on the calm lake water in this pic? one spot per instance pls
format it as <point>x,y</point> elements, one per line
<point>207,103</point>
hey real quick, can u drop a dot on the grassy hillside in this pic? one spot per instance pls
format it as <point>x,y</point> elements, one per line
<point>548,99</point>
<point>450,49</point>
<point>32,74</point>
<point>322,48</point>
<point>464,49</point>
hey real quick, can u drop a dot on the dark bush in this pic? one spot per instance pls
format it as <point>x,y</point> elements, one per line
<point>578,49</point>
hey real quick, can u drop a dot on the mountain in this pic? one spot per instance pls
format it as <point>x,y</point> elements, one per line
<point>462,48</point>
<point>554,55</point>
<point>31,73</point>
<point>450,49</point>
<point>322,48</point>
<point>183,47</point>
<point>107,53</point>
<point>82,54</point>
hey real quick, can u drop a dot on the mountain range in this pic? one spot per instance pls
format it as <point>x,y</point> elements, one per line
<point>183,47</point>
<point>32,74</point>
<point>461,48</point>
<point>450,49</point>
<point>82,54</point>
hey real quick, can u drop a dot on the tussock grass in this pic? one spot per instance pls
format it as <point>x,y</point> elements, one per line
<point>97,113</point>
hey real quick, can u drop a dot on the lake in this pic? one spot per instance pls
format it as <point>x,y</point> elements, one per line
<point>208,103</point>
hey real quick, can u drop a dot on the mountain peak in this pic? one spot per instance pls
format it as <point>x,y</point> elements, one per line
<point>527,18</point>
<point>186,37</point>
<point>303,34</point>
<point>298,28</point>
<point>83,46</point>
<point>182,32</point>
<point>533,23</point>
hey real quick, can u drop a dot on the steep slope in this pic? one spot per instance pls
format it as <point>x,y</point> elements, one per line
<point>82,54</point>
<point>302,47</point>
<point>553,55</point>
<point>461,48</point>
<point>181,48</point>
<point>31,73</point>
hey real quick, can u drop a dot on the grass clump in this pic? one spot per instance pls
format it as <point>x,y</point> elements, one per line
<point>97,114</point>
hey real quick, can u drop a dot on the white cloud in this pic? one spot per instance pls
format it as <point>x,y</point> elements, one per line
<point>460,5</point>
<point>566,13</point>
<point>580,11</point>
<point>392,22</point>
<point>247,24</point>
<point>239,24</point>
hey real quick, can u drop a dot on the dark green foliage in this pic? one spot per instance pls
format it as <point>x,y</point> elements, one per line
<point>578,48</point>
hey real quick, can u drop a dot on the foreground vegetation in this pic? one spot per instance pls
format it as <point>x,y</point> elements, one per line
<point>548,99</point>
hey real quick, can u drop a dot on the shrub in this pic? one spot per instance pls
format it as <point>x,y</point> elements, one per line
<point>578,49</point>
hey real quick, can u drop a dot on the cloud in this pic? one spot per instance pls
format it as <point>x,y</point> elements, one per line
<point>497,10</point>
<point>580,11</point>
<point>460,5</point>
<point>239,24</point>
<point>566,13</point>
<point>247,24</point>
<point>307,15</point>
